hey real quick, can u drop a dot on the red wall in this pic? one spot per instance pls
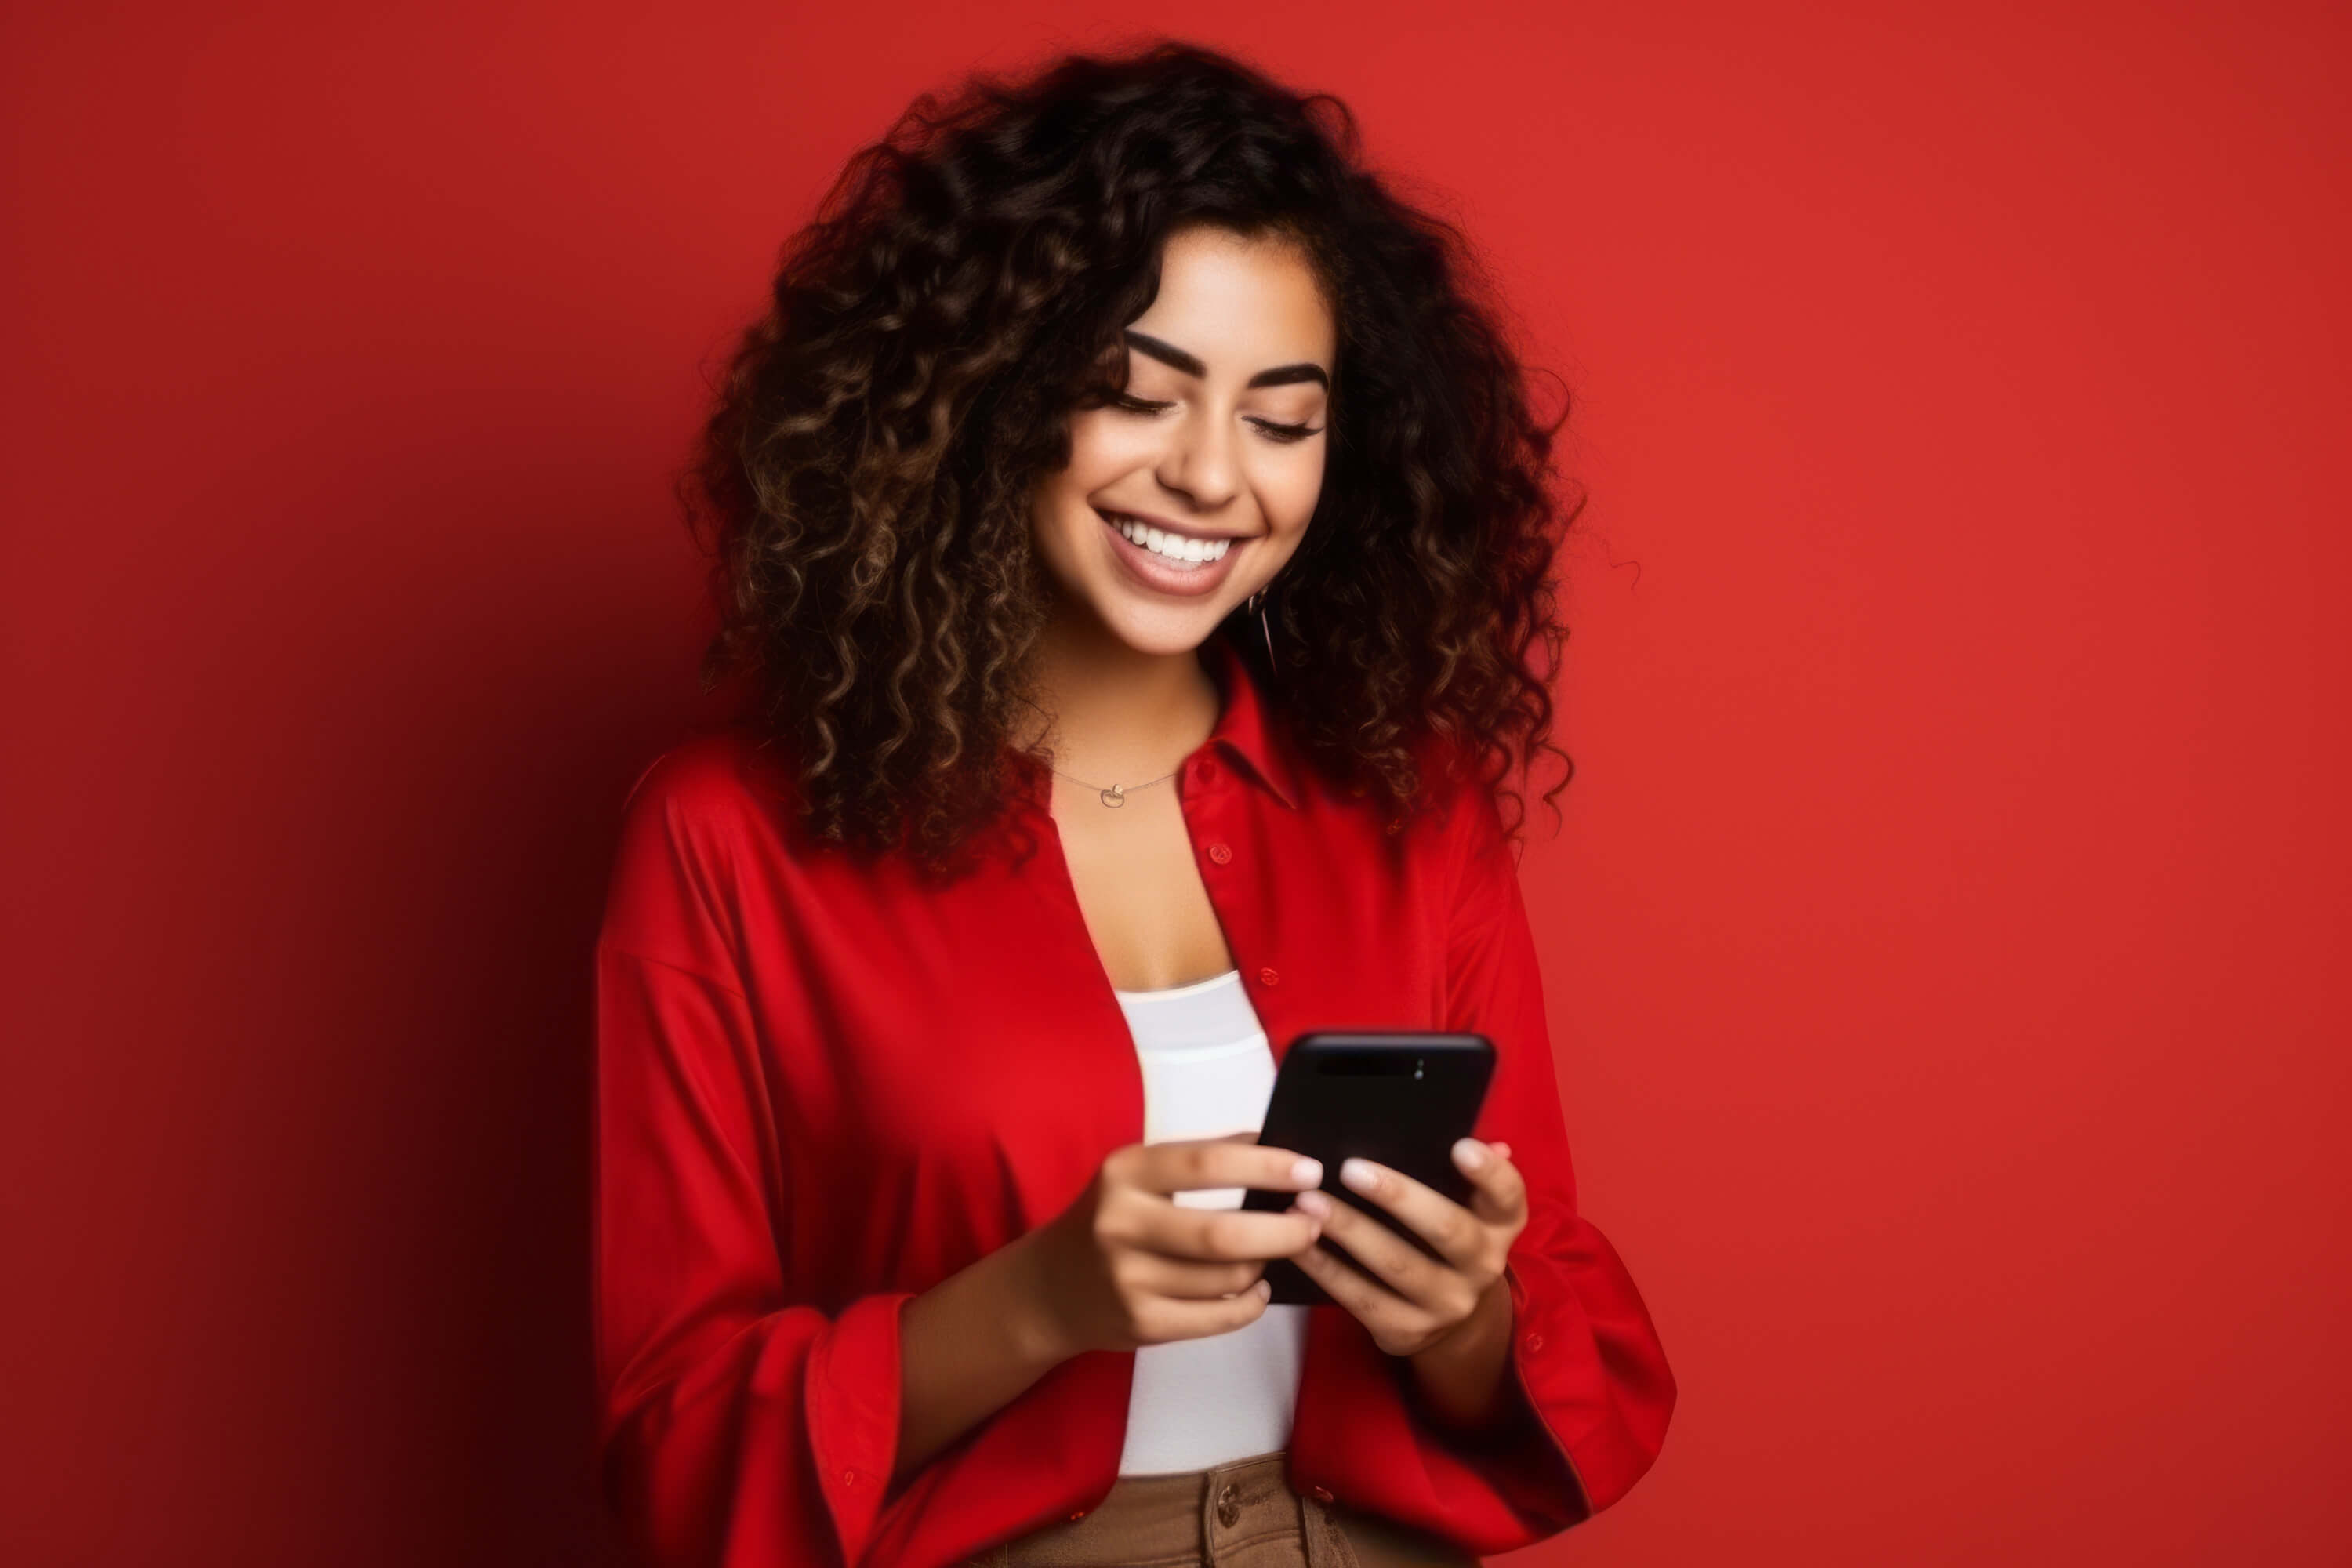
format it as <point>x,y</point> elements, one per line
<point>1942,942</point>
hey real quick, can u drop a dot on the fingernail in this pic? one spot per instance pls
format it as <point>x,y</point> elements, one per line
<point>1357,1174</point>
<point>1307,1173</point>
<point>1468,1155</point>
<point>1315,1203</point>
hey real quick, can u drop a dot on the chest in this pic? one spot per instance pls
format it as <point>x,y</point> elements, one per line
<point>1137,876</point>
<point>964,1042</point>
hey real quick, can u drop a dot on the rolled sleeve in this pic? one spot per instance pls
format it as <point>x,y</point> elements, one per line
<point>740,1426</point>
<point>852,1413</point>
<point>744,1417</point>
<point>1593,1388</point>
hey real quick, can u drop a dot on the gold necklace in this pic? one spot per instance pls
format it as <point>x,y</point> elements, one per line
<point>1117,793</point>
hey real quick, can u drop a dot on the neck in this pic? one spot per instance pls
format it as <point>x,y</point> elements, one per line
<point>1111,713</point>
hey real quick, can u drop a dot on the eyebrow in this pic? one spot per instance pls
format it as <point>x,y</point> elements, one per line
<point>1168,354</point>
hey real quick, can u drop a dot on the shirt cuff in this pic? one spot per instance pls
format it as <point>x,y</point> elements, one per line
<point>854,1388</point>
<point>1591,1382</point>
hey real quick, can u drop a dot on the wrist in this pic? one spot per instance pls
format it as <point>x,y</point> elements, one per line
<point>1462,1376</point>
<point>1033,1320</point>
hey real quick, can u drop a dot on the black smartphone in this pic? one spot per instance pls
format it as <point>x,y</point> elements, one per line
<point>1398,1097</point>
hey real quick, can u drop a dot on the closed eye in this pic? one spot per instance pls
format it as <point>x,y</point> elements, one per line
<point>1286,433</point>
<point>1273,432</point>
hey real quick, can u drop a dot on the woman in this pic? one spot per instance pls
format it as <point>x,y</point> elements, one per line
<point>1128,536</point>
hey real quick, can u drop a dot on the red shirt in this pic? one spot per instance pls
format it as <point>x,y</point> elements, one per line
<point>823,1087</point>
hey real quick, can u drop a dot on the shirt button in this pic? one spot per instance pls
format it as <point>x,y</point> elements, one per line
<point>850,1478</point>
<point>1320,1494</point>
<point>1219,853</point>
<point>1206,772</point>
<point>1533,1341</point>
<point>1268,977</point>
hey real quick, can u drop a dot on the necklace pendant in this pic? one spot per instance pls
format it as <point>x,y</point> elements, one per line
<point>1114,796</point>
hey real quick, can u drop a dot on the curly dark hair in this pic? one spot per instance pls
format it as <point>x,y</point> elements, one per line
<point>863,483</point>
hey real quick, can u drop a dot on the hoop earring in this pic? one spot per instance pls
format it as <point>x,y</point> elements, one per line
<point>1257,603</point>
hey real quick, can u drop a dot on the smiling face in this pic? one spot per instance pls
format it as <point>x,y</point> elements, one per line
<point>1216,454</point>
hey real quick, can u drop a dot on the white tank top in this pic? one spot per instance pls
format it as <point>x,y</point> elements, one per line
<point>1208,1070</point>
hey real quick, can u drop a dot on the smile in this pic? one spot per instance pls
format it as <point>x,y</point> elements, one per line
<point>1177,547</point>
<point>1169,563</point>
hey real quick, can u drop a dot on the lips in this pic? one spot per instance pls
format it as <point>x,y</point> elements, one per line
<point>1156,573</point>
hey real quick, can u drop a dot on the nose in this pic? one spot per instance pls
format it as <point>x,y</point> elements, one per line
<point>1201,461</point>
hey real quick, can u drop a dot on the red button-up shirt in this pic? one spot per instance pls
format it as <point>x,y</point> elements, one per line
<point>823,1087</point>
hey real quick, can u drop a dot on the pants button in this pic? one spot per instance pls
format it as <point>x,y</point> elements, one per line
<point>1228,1507</point>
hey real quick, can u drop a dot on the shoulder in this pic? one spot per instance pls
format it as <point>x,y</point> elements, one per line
<point>699,814</point>
<point>709,774</point>
<point>1450,820</point>
<point>1460,804</point>
<point>718,789</point>
<point>1464,812</point>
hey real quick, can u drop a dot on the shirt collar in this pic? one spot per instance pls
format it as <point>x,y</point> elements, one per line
<point>1245,728</point>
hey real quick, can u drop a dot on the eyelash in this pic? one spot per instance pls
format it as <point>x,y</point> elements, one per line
<point>1285,434</point>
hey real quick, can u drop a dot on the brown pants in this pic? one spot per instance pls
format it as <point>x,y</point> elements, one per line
<point>1239,1514</point>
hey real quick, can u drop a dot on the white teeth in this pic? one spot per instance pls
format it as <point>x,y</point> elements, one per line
<point>1176,547</point>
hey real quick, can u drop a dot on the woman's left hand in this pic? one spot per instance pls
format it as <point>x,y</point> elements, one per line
<point>1408,1299</point>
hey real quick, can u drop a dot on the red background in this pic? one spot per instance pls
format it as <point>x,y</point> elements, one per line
<point>1942,944</point>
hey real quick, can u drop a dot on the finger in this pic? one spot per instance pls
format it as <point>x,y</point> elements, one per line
<point>1188,1279</point>
<point>1390,1259</point>
<point>1221,1236</point>
<point>1367,1299</point>
<point>1498,1193</point>
<point>1169,1321</point>
<point>1458,1234</point>
<point>1193,1164</point>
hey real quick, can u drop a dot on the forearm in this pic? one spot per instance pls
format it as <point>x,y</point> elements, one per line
<point>967,1347</point>
<point>1463,1380</point>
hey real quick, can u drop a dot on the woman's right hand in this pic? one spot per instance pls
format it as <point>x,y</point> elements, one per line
<point>1125,1265</point>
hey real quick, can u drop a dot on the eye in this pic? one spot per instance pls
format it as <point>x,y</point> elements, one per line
<point>1273,432</point>
<point>1286,433</point>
